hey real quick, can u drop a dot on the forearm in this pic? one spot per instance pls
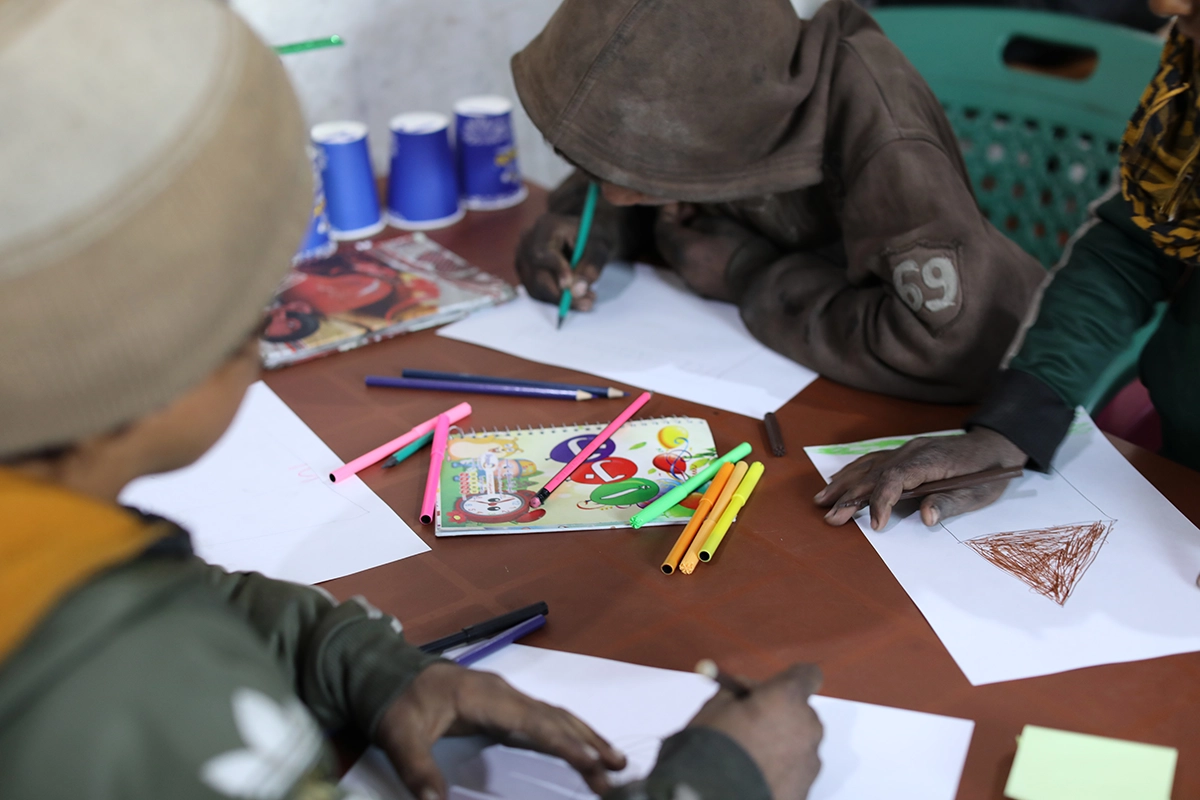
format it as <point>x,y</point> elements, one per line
<point>805,307</point>
<point>347,661</point>
<point>1089,312</point>
<point>700,764</point>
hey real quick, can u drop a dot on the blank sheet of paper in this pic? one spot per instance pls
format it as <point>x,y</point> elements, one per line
<point>648,330</point>
<point>261,500</point>
<point>1059,765</point>
<point>869,751</point>
<point>1085,565</point>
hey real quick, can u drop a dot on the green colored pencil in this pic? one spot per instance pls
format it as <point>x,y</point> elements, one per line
<point>311,44</point>
<point>406,451</point>
<point>585,229</point>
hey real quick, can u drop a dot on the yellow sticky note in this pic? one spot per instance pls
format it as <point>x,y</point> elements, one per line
<point>1058,765</point>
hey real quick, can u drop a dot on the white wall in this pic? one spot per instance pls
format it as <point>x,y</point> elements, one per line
<point>412,55</point>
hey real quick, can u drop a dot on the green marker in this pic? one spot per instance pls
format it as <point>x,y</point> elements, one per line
<point>676,495</point>
<point>311,44</point>
<point>406,451</point>
<point>585,228</point>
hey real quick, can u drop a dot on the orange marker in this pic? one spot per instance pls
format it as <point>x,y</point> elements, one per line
<point>706,503</point>
<point>692,557</point>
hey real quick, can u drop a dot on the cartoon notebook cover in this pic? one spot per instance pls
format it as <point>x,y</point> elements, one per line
<point>489,478</point>
<point>354,298</point>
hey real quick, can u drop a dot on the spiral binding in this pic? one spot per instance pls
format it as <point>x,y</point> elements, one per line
<point>458,432</point>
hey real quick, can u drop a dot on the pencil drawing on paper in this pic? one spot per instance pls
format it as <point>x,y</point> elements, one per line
<point>1051,560</point>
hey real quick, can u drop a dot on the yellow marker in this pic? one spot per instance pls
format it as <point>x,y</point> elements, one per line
<point>692,558</point>
<point>740,496</point>
<point>702,508</point>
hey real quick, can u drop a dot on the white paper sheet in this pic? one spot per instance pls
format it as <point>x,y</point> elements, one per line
<point>261,500</point>
<point>869,751</point>
<point>649,330</point>
<point>1083,566</point>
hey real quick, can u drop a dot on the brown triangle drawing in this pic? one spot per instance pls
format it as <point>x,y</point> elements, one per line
<point>1051,560</point>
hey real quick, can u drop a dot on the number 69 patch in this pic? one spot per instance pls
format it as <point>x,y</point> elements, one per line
<point>927,281</point>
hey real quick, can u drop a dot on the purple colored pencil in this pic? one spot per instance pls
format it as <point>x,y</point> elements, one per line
<point>477,388</point>
<point>598,391</point>
<point>500,642</point>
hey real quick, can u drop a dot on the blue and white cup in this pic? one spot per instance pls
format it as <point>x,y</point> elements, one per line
<point>353,200</point>
<point>317,243</point>
<point>422,188</point>
<point>488,175</point>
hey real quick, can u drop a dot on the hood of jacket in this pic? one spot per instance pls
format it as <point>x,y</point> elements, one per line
<point>696,100</point>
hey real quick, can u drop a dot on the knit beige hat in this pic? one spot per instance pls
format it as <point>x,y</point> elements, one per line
<point>154,187</point>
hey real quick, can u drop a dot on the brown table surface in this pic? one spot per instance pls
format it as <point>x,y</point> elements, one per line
<point>785,588</point>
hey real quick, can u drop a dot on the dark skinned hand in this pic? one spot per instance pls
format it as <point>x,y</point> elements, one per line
<point>544,259</point>
<point>448,700</point>
<point>883,476</point>
<point>776,726</point>
<point>699,247</point>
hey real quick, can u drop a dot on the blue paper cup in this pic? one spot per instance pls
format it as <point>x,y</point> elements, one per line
<point>422,187</point>
<point>316,240</point>
<point>353,201</point>
<point>487,153</point>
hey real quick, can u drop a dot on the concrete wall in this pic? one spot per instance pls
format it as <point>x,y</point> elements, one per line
<point>412,55</point>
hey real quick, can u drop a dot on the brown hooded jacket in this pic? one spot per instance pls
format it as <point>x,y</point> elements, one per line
<point>865,256</point>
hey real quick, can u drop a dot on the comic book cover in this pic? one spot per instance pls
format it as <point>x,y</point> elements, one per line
<point>488,478</point>
<point>354,298</point>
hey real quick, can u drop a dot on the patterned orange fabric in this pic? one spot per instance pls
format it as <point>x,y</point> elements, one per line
<point>52,542</point>
<point>1160,150</point>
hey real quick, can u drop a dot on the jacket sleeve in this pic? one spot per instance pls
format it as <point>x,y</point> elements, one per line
<point>921,297</point>
<point>1104,290</point>
<point>347,661</point>
<point>701,764</point>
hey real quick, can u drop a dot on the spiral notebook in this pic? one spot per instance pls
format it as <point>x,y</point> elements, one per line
<point>489,477</point>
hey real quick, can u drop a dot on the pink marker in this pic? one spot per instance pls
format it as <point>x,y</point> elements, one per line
<point>437,454</point>
<point>384,450</point>
<point>590,448</point>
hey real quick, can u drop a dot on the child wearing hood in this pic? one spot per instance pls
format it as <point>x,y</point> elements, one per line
<point>800,169</point>
<point>137,252</point>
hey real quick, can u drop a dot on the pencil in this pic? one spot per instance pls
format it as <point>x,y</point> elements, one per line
<point>689,533</point>
<point>591,447</point>
<point>585,229</point>
<point>477,388</point>
<point>311,44</point>
<point>740,495</point>
<point>437,454</point>
<point>387,448</point>
<point>462,377</point>
<point>949,484</point>
<point>709,669</point>
<point>407,450</point>
<point>692,557</point>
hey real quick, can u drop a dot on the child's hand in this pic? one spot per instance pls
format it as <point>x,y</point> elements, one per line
<point>700,248</point>
<point>883,476</point>
<point>776,726</point>
<point>447,700</point>
<point>544,259</point>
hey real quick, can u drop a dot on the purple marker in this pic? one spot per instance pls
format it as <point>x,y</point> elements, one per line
<point>500,642</point>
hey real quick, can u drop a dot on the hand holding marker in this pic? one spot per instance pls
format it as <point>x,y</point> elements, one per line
<point>585,228</point>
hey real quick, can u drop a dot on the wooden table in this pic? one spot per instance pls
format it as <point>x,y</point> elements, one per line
<point>788,587</point>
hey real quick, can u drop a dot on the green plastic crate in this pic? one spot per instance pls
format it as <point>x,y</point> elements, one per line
<point>1039,148</point>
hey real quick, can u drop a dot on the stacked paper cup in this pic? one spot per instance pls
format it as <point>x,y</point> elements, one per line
<point>433,179</point>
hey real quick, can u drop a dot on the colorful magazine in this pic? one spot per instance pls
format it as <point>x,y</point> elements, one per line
<point>354,298</point>
<point>489,477</point>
